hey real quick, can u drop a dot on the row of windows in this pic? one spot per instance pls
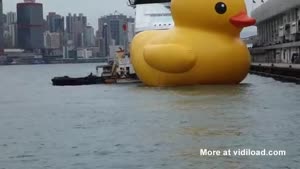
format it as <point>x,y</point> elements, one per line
<point>269,30</point>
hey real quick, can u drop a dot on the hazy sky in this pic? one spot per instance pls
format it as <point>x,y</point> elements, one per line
<point>93,9</point>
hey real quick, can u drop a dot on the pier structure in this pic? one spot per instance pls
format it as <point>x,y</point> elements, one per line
<point>275,50</point>
<point>278,71</point>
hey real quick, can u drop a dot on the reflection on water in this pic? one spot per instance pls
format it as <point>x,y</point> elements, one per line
<point>198,132</point>
<point>138,127</point>
<point>211,90</point>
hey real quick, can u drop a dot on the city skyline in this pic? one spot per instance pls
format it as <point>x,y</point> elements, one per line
<point>92,13</point>
<point>56,37</point>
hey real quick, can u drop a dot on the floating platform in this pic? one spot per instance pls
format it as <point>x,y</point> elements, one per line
<point>70,81</point>
<point>91,80</point>
<point>281,72</point>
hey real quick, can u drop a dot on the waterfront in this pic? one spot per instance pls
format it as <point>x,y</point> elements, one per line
<point>137,127</point>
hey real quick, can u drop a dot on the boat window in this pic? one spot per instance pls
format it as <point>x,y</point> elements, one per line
<point>135,2</point>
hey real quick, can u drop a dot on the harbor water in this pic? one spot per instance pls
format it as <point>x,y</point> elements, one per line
<point>136,127</point>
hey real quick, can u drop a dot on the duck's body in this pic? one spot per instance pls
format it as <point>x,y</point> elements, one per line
<point>188,56</point>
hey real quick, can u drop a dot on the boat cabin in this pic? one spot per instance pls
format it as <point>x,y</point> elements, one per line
<point>152,15</point>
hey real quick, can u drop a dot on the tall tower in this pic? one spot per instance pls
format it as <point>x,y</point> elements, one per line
<point>107,39</point>
<point>1,29</point>
<point>30,25</point>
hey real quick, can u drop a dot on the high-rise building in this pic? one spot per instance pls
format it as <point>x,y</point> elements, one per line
<point>11,26</point>
<point>115,24</point>
<point>69,23</point>
<point>75,26</point>
<point>11,18</point>
<point>107,40</point>
<point>30,25</point>
<point>55,22</point>
<point>56,26</point>
<point>101,46</point>
<point>114,32</point>
<point>1,29</point>
<point>12,32</point>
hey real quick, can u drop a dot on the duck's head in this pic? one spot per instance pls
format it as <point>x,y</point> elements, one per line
<point>228,16</point>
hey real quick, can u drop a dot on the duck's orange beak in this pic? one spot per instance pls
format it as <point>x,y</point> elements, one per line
<point>242,20</point>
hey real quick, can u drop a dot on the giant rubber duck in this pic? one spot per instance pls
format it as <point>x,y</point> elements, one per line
<point>204,47</point>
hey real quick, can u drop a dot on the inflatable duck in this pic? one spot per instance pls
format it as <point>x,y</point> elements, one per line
<point>204,47</point>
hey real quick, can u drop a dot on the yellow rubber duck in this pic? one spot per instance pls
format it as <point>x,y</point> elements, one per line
<point>204,47</point>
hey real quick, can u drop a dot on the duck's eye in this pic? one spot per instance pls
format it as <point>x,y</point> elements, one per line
<point>221,7</point>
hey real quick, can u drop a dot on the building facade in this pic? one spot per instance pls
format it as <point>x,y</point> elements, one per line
<point>12,32</point>
<point>131,31</point>
<point>278,27</point>
<point>84,53</point>
<point>89,36</point>
<point>30,25</point>
<point>11,18</point>
<point>100,44</point>
<point>52,40</point>
<point>1,29</point>
<point>55,22</point>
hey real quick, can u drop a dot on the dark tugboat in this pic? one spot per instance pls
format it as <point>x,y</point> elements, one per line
<point>119,71</point>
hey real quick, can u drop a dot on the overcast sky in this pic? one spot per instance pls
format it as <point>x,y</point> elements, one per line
<point>93,9</point>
